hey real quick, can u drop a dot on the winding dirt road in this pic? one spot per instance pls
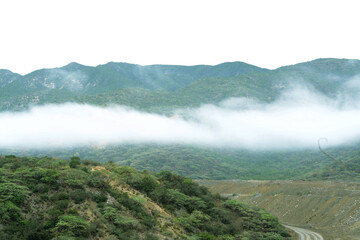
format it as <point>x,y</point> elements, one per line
<point>305,234</point>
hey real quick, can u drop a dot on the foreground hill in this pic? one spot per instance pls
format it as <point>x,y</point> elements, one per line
<point>46,198</point>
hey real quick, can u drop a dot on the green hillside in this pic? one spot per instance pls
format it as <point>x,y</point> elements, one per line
<point>162,88</point>
<point>210,163</point>
<point>47,198</point>
<point>81,79</point>
<point>345,168</point>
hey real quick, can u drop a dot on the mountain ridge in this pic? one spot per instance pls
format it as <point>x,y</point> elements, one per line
<point>171,86</point>
<point>135,71</point>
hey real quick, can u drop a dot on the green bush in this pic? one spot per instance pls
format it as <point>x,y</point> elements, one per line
<point>71,226</point>
<point>41,188</point>
<point>97,180</point>
<point>59,196</point>
<point>114,216</point>
<point>9,212</point>
<point>99,197</point>
<point>62,204</point>
<point>13,192</point>
<point>74,178</point>
<point>78,195</point>
<point>74,162</point>
<point>196,220</point>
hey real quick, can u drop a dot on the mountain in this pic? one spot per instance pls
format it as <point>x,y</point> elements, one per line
<point>46,198</point>
<point>82,79</point>
<point>162,88</point>
<point>330,67</point>
<point>7,77</point>
<point>109,83</point>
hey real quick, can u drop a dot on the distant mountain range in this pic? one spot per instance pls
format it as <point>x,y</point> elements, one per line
<point>159,88</point>
<point>164,88</point>
<point>82,79</point>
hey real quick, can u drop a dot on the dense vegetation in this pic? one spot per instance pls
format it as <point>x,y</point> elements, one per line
<point>209,163</point>
<point>344,166</point>
<point>162,88</point>
<point>79,83</point>
<point>47,198</point>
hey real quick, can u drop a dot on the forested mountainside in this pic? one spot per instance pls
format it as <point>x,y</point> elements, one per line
<point>162,88</point>
<point>82,79</point>
<point>208,163</point>
<point>47,198</point>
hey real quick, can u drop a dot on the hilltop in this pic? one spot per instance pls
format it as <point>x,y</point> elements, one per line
<point>47,198</point>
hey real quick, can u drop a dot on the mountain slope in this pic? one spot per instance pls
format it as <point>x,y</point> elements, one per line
<point>82,79</point>
<point>7,77</point>
<point>44,198</point>
<point>327,207</point>
<point>208,163</point>
<point>162,88</point>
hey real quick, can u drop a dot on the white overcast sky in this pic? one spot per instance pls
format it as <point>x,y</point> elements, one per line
<point>51,33</point>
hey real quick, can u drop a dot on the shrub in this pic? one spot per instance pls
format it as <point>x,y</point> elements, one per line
<point>13,192</point>
<point>9,212</point>
<point>114,216</point>
<point>147,184</point>
<point>196,220</point>
<point>59,196</point>
<point>99,197</point>
<point>72,226</point>
<point>97,180</point>
<point>150,236</point>
<point>62,204</point>
<point>74,162</point>
<point>41,188</point>
<point>74,178</point>
<point>79,195</point>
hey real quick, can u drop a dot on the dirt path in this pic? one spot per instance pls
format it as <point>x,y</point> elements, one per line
<point>305,234</point>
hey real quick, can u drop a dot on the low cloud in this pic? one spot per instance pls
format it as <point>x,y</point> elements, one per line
<point>296,120</point>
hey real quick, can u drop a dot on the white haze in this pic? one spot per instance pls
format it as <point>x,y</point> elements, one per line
<point>296,120</point>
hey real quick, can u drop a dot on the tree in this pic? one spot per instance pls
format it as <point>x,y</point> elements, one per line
<point>70,225</point>
<point>74,162</point>
<point>13,192</point>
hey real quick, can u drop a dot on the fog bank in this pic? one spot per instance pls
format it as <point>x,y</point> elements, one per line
<point>296,120</point>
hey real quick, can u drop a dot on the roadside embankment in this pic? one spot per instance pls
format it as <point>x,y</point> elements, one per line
<point>330,208</point>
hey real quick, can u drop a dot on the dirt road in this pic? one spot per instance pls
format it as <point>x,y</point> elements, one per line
<point>305,234</point>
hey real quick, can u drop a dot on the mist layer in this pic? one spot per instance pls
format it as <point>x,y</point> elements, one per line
<point>296,120</point>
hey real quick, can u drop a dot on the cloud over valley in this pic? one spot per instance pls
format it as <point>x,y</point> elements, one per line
<point>297,119</point>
